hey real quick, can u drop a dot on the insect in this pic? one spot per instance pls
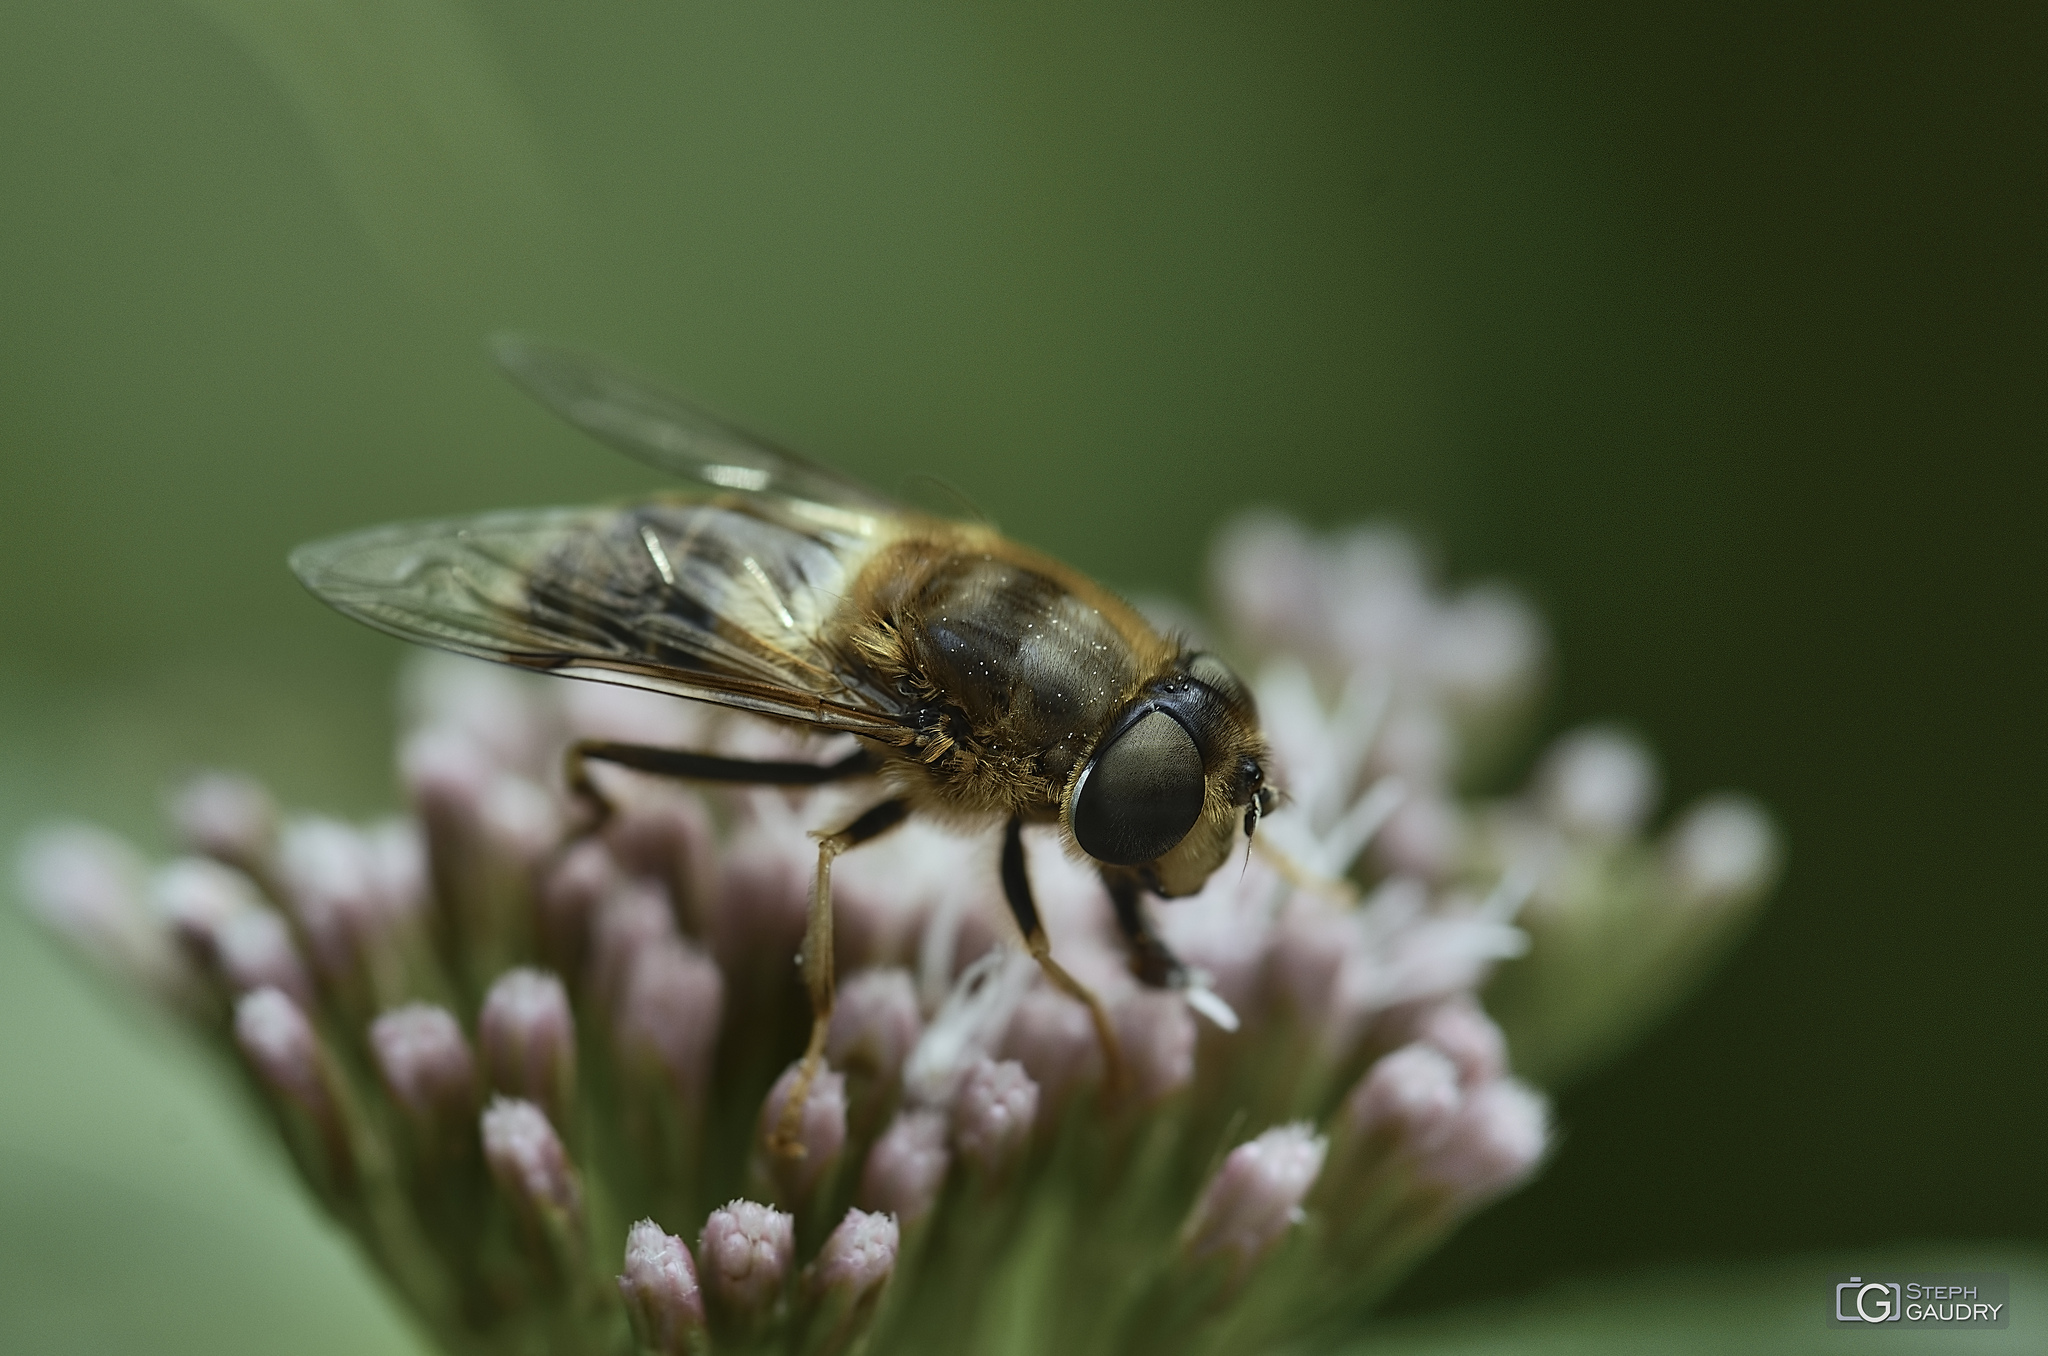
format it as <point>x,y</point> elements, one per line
<point>986,684</point>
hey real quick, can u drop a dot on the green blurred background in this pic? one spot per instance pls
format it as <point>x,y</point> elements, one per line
<point>1719,331</point>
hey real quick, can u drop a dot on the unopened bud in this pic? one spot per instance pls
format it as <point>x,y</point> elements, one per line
<point>1484,647</point>
<point>1406,1101</point>
<point>281,1047</point>
<point>1598,783</point>
<point>1723,850</point>
<point>226,931</point>
<point>1255,1197</point>
<point>1156,1034</point>
<point>820,1133</point>
<point>845,1283</point>
<point>1460,1028</point>
<point>283,1051</point>
<point>535,1176</point>
<point>196,896</point>
<point>426,1067</point>
<point>519,821</point>
<point>670,839</point>
<point>353,906</point>
<point>762,898</point>
<point>907,1166</point>
<point>1424,837</point>
<point>631,922</point>
<point>528,1035</point>
<point>228,817</point>
<point>497,708</point>
<point>86,885</point>
<point>875,1025</point>
<point>993,1114</point>
<point>859,1256</point>
<point>254,950</point>
<point>659,1287</point>
<point>1493,1144</point>
<point>1266,574</point>
<point>745,1252</point>
<point>668,1017</point>
<point>570,895</point>
<point>1051,1035</point>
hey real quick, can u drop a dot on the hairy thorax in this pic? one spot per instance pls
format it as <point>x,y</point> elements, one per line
<point>1010,665</point>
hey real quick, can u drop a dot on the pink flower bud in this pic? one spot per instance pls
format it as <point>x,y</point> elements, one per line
<point>1493,1144</point>
<point>860,1255</point>
<point>228,817</point>
<point>1052,1036</point>
<point>631,922</point>
<point>1407,1101</point>
<point>254,950</point>
<point>426,1066</point>
<point>528,1036</point>
<point>1484,647</point>
<point>1460,1028</point>
<point>820,1133</point>
<point>668,1017</point>
<point>1310,945</point>
<point>659,1288</point>
<point>504,713</point>
<point>763,897</point>
<point>1266,575</point>
<point>338,886</point>
<point>1255,1197</point>
<point>519,821</point>
<point>993,1114</point>
<point>1156,1033</point>
<point>531,1167</point>
<point>669,838</point>
<point>570,896</point>
<point>447,774</point>
<point>1598,783</point>
<point>283,1050</point>
<point>1424,837</point>
<point>907,1166</point>
<point>1722,850</point>
<point>745,1252</point>
<point>87,886</point>
<point>875,1024</point>
<point>630,715</point>
<point>196,898</point>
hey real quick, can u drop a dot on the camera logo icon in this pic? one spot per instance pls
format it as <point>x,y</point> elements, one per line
<point>1861,1301</point>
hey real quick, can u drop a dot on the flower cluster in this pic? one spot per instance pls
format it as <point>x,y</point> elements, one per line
<point>539,1072</point>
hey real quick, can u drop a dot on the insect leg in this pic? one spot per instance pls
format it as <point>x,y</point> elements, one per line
<point>1151,961</point>
<point>816,959</point>
<point>1017,890</point>
<point>697,767</point>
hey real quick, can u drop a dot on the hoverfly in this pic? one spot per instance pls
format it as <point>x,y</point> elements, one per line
<point>986,684</point>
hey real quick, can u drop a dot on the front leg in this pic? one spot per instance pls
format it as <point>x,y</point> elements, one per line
<point>1152,961</point>
<point>1017,890</point>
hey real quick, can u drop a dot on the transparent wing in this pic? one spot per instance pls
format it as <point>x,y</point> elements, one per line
<point>641,419</point>
<point>731,603</point>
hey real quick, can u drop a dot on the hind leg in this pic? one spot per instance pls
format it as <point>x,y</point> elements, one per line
<point>816,959</point>
<point>684,765</point>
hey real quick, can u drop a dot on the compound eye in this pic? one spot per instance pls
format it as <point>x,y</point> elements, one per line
<point>1141,795</point>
